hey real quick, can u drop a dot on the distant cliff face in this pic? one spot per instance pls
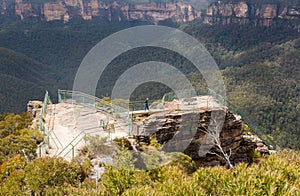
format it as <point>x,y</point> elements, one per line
<point>236,12</point>
<point>87,9</point>
<point>247,13</point>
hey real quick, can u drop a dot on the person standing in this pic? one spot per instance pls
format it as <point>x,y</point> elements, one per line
<point>146,104</point>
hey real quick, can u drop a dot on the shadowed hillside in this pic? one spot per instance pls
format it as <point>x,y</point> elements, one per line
<point>22,79</point>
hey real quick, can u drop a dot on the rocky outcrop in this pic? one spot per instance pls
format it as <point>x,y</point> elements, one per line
<point>242,12</point>
<point>55,11</point>
<point>88,9</point>
<point>34,109</point>
<point>165,126</point>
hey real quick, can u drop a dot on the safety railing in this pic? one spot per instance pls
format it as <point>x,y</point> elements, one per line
<point>72,144</point>
<point>109,107</point>
<point>43,129</point>
<point>115,109</point>
<point>52,135</point>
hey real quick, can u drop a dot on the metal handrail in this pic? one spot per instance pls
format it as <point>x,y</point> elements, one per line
<point>41,123</point>
<point>130,103</point>
<point>51,132</point>
<point>74,145</point>
<point>96,99</point>
<point>83,131</point>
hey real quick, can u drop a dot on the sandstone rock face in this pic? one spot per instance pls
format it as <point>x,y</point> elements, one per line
<point>241,10</point>
<point>166,125</point>
<point>34,109</point>
<point>268,11</point>
<point>261,14</point>
<point>55,11</point>
<point>247,13</point>
<point>88,9</point>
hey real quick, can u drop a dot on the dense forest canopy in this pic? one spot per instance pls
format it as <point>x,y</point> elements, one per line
<point>261,71</point>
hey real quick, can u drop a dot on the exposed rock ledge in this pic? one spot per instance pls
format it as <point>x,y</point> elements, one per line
<point>165,125</point>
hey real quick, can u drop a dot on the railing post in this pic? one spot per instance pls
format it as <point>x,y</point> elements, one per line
<point>40,151</point>
<point>73,153</point>
<point>48,140</point>
<point>130,124</point>
<point>59,96</point>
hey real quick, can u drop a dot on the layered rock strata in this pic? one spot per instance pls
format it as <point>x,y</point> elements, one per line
<point>167,125</point>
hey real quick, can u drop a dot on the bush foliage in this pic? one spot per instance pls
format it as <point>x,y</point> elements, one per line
<point>16,138</point>
<point>278,174</point>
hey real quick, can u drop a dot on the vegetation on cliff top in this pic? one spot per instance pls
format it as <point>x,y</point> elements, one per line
<point>16,138</point>
<point>21,174</point>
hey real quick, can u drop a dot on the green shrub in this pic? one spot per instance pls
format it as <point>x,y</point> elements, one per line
<point>158,174</point>
<point>47,172</point>
<point>255,154</point>
<point>273,176</point>
<point>15,144</point>
<point>116,181</point>
<point>12,176</point>
<point>168,180</point>
<point>124,143</point>
<point>14,185</point>
<point>185,162</point>
<point>14,122</point>
<point>124,159</point>
<point>34,134</point>
<point>154,142</point>
<point>10,165</point>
